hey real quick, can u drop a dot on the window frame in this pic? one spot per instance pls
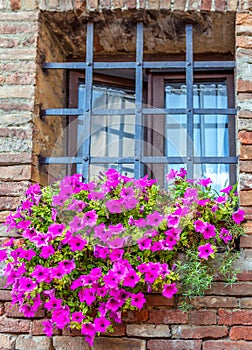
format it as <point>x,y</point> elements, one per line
<point>90,65</point>
<point>156,98</point>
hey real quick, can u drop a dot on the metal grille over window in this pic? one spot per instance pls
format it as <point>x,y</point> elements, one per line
<point>196,118</point>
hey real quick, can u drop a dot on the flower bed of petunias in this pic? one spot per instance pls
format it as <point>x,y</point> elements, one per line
<point>89,252</point>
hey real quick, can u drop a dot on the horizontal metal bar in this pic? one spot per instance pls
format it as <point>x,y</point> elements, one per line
<point>145,160</point>
<point>199,65</point>
<point>215,160</point>
<point>115,160</point>
<point>64,65</point>
<point>132,111</point>
<point>114,65</point>
<point>60,160</point>
<point>61,111</point>
<point>221,111</point>
<point>212,65</point>
<point>108,112</point>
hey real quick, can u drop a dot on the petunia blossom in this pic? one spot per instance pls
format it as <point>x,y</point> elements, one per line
<point>205,251</point>
<point>169,290</point>
<point>238,216</point>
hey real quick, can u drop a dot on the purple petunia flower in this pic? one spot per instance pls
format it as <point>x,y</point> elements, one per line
<point>169,290</point>
<point>77,243</point>
<point>225,235</point>
<point>114,206</point>
<point>3,255</point>
<point>48,328</point>
<point>154,219</point>
<point>101,324</point>
<point>205,182</point>
<point>47,251</point>
<point>238,216</point>
<point>205,251</point>
<point>138,300</point>
<point>77,316</point>
<point>209,231</point>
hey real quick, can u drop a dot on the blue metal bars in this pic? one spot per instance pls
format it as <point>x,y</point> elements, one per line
<point>85,112</point>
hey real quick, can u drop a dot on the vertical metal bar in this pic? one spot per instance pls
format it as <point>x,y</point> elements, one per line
<point>139,99</point>
<point>88,101</point>
<point>189,100</point>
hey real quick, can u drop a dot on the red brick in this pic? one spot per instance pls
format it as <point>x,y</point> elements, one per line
<point>168,317</point>
<point>246,152</point>
<point>20,133</point>
<point>246,303</point>
<point>130,4</point>
<point>221,288</point>
<point>14,105</point>
<point>16,172</point>
<point>153,4</point>
<point>37,328</point>
<point>246,196</point>
<point>248,227</point>
<point>118,4</point>
<point>202,317</point>
<point>136,316</point>
<point>3,215</point>
<point>245,113</point>
<point>179,5</point>
<point>244,85</point>
<point>20,79</point>
<point>13,188</point>
<point>244,42</point>
<point>214,301</point>
<point>5,295</point>
<point>119,331</point>
<point>11,325</point>
<point>13,311</point>
<point>158,300</point>
<point>232,5</point>
<point>219,5</point>
<point>206,5</point>
<point>17,28</point>
<point>226,345</point>
<point>246,242</point>
<point>248,211</point>
<point>15,5</point>
<point>234,317</point>
<point>174,345</point>
<point>243,18</point>
<point>241,333</point>
<point>105,343</point>
<point>71,332</point>
<point>203,332</point>
<point>165,4</point>
<point>9,203</point>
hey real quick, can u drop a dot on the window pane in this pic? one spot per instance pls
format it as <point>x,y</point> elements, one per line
<point>210,131</point>
<point>113,135</point>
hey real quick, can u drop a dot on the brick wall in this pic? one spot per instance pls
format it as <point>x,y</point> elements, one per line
<point>222,319</point>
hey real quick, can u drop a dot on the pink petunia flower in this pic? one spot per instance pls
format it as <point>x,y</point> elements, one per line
<point>205,182</point>
<point>225,235</point>
<point>205,251</point>
<point>169,290</point>
<point>209,231</point>
<point>154,219</point>
<point>238,216</point>
<point>138,300</point>
<point>101,324</point>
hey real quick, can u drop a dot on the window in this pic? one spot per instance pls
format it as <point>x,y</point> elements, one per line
<point>148,116</point>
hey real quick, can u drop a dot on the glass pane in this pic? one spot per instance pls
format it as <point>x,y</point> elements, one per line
<point>210,131</point>
<point>113,135</point>
<point>124,169</point>
<point>219,174</point>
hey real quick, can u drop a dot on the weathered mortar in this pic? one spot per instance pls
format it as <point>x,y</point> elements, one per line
<point>49,139</point>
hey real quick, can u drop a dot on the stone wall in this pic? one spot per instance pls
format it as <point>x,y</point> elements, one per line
<point>222,319</point>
